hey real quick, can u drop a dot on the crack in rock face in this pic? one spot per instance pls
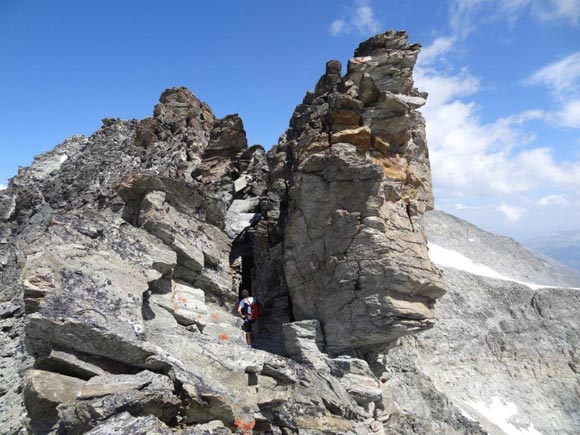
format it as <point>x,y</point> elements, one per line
<point>123,256</point>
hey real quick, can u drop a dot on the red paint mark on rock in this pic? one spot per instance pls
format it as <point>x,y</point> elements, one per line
<point>245,428</point>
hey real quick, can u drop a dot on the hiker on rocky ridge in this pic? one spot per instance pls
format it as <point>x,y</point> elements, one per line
<point>245,311</point>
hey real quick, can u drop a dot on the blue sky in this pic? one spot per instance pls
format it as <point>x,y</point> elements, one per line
<point>503,76</point>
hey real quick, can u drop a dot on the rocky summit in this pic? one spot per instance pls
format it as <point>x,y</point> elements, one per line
<point>123,256</point>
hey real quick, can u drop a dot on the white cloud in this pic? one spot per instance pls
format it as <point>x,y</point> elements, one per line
<point>544,10</point>
<point>569,114</point>
<point>467,15</point>
<point>438,47</point>
<point>511,213</point>
<point>561,77</point>
<point>469,157</point>
<point>444,88</point>
<point>360,18</point>
<point>523,117</point>
<point>460,206</point>
<point>463,14</point>
<point>540,164</point>
<point>559,200</point>
<point>548,10</point>
<point>338,27</point>
<point>364,19</point>
<point>2,187</point>
<point>494,160</point>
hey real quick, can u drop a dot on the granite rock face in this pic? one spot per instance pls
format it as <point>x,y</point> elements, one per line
<point>353,181</point>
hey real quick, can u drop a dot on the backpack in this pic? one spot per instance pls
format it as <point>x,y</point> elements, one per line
<point>255,310</point>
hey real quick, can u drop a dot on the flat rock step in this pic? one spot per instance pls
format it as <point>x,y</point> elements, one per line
<point>189,308</point>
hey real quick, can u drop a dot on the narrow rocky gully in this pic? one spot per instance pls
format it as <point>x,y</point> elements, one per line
<point>123,255</point>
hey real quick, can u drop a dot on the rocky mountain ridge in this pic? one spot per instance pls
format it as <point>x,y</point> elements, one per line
<point>122,256</point>
<point>494,251</point>
<point>505,352</point>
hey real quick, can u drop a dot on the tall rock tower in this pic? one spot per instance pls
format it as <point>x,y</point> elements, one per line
<point>353,179</point>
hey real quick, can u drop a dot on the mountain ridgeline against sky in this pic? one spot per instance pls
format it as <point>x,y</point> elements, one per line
<point>123,255</point>
<point>563,246</point>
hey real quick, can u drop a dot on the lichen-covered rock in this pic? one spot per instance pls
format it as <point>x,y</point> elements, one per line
<point>43,392</point>
<point>357,378</point>
<point>145,393</point>
<point>125,423</point>
<point>304,343</point>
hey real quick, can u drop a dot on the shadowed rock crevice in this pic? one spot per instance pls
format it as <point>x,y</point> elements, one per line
<point>242,259</point>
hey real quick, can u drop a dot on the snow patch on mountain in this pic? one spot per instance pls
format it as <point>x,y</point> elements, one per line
<point>499,412</point>
<point>501,254</point>
<point>449,258</point>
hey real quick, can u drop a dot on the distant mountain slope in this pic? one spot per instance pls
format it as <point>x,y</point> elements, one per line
<point>563,246</point>
<point>505,351</point>
<point>501,254</point>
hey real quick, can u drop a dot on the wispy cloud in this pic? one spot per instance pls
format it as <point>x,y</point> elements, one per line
<point>444,88</point>
<point>548,10</point>
<point>338,27</point>
<point>438,47</point>
<point>2,187</point>
<point>460,206</point>
<point>569,114</point>
<point>464,15</point>
<point>562,79</point>
<point>554,199</point>
<point>511,213</point>
<point>467,15</point>
<point>360,18</point>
